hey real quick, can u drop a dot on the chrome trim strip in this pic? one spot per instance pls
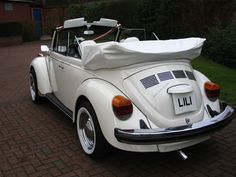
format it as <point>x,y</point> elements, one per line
<point>66,63</point>
<point>59,105</point>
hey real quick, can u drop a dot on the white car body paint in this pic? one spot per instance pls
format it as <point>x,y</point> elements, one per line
<point>68,80</point>
<point>40,66</point>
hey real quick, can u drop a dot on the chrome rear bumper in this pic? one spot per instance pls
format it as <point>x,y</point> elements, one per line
<point>173,134</point>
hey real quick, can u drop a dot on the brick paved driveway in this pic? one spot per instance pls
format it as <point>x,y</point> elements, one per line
<point>38,140</point>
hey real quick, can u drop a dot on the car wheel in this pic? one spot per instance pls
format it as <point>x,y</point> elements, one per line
<point>34,87</point>
<point>90,135</point>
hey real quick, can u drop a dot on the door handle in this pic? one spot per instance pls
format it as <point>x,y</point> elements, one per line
<point>61,67</point>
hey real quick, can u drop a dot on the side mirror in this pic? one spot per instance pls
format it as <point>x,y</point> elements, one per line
<point>44,48</point>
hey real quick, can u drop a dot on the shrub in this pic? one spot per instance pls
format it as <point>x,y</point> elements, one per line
<point>167,18</point>
<point>124,11</point>
<point>160,16</point>
<point>74,11</point>
<point>221,46</point>
<point>173,19</point>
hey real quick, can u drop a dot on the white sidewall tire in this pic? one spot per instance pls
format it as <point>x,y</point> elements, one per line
<point>34,87</point>
<point>87,146</point>
<point>100,147</point>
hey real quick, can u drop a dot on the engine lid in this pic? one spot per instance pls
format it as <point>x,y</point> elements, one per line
<point>167,94</point>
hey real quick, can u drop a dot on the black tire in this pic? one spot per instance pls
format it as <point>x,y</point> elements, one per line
<point>90,135</point>
<point>34,87</point>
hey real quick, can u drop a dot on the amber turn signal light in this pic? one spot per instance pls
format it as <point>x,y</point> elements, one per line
<point>212,90</point>
<point>122,107</point>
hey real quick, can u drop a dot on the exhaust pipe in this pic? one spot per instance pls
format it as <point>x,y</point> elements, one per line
<point>183,155</point>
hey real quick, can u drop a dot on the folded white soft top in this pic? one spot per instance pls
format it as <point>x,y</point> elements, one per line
<point>114,54</point>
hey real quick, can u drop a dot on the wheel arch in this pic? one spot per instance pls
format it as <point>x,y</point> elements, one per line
<point>80,99</point>
<point>99,92</point>
<point>39,65</point>
<point>90,90</point>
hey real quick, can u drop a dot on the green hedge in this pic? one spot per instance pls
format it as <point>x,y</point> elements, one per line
<point>161,17</point>
<point>123,11</point>
<point>168,18</point>
<point>10,29</point>
<point>173,19</point>
<point>221,46</point>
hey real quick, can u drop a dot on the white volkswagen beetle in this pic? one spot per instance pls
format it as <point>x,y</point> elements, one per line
<point>127,92</point>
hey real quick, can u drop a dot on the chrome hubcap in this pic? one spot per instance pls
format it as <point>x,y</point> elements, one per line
<point>86,130</point>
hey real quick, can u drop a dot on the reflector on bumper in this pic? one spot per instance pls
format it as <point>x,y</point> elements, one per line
<point>173,134</point>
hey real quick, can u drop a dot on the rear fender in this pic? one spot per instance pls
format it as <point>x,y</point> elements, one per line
<point>100,94</point>
<point>40,67</point>
<point>202,79</point>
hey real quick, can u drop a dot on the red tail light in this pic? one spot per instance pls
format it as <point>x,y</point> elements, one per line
<point>212,90</point>
<point>122,107</point>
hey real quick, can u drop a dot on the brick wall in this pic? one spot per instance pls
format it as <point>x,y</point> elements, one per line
<point>16,12</point>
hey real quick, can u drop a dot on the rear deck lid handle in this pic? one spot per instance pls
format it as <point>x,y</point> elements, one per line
<point>183,88</point>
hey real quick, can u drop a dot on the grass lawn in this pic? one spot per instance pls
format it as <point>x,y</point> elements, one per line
<point>220,74</point>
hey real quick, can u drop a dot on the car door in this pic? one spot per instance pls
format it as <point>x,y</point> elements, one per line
<point>57,52</point>
<point>66,69</point>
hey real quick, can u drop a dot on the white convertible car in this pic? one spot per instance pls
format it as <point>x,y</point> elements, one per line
<point>127,92</point>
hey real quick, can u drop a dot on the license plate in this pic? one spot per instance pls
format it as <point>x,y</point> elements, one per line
<point>184,102</point>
